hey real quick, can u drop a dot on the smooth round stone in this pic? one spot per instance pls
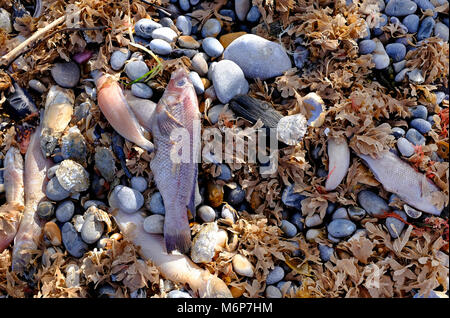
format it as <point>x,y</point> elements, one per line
<point>228,80</point>
<point>95,203</point>
<point>381,61</point>
<point>400,8</point>
<point>184,24</point>
<point>325,252</point>
<point>225,173</point>
<point>141,90</point>
<point>178,294</point>
<point>382,21</point>
<point>331,207</point>
<point>367,46</point>
<point>333,239</point>
<point>228,13</point>
<point>54,191</point>
<point>92,230</point>
<point>139,183</point>
<point>105,163</point>
<point>419,111</point>
<point>5,21</point>
<point>292,199</point>
<point>236,196</point>
<point>396,21</point>
<point>275,275</point>
<point>188,42</point>
<point>167,22</point>
<point>399,66</point>
<point>38,86</point>
<point>426,28</point>
<point>253,15</point>
<point>415,76</point>
<point>199,65</point>
<point>300,56</point>
<point>395,226</point>
<point>156,204</point>
<point>154,224</point>
<point>426,5</point>
<point>398,132</point>
<point>415,137</point>
<point>72,241</point>
<point>165,33</point>
<point>242,266</point>
<point>45,210</point>
<point>411,22</point>
<point>401,75</point>
<point>73,146</point>
<point>226,213</point>
<point>397,51</point>
<point>186,52</point>
<point>430,119</point>
<point>340,213</point>
<point>440,96</point>
<point>340,228</point>
<point>405,147</point>
<point>72,176</point>
<point>211,28</point>
<point>298,220</point>
<point>64,211</point>
<point>312,234</point>
<point>78,221</point>
<point>313,220</point>
<point>206,213</point>
<point>197,83</point>
<point>288,228</point>
<point>214,112</point>
<point>372,203</point>
<point>52,171</point>
<point>258,57</point>
<point>241,7</point>
<point>160,47</point>
<point>118,59</point>
<point>441,31</point>
<point>356,213</point>
<point>66,74</point>
<point>145,27</point>
<point>184,5</point>
<point>273,292</point>
<point>422,125</point>
<point>212,47</point>
<point>126,199</point>
<point>136,69</point>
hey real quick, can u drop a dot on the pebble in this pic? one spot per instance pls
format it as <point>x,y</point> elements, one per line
<point>425,29</point>
<point>372,203</point>
<point>45,210</point>
<point>136,69</point>
<point>300,56</point>
<point>288,228</point>
<point>422,125</point>
<point>426,5</point>
<point>139,184</point>
<point>405,147</point>
<point>212,47</point>
<point>292,128</point>
<point>105,163</point>
<point>64,211</point>
<point>419,111</point>
<point>242,266</point>
<point>178,294</point>
<point>415,137</point>
<point>211,28</point>
<point>411,22</point>
<point>197,83</point>
<point>401,75</point>
<point>275,275</point>
<point>184,5</point>
<point>154,224</point>
<point>331,207</point>
<point>72,241</point>
<point>92,229</point>
<point>398,132</point>
<point>72,176</point>
<point>167,22</point>
<point>126,199</point>
<point>333,239</point>
<point>340,213</point>
<point>397,51</point>
<point>184,24</point>
<point>298,220</point>
<point>214,112</point>
<point>228,80</point>
<point>5,21</point>
<point>236,196</point>
<point>399,66</point>
<point>340,228</point>
<point>367,46</point>
<point>379,56</point>
<point>441,30</point>
<point>66,74</point>
<point>415,76</point>
<point>206,213</point>
<point>37,86</point>
<point>440,96</point>
<point>241,7</point>
<point>199,65</point>
<point>400,8</point>
<point>382,21</point>
<point>228,38</point>
<point>78,221</point>
<point>313,220</point>
<point>292,199</point>
<point>227,213</point>
<point>95,203</point>
<point>73,145</point>
<point>118,59</point>
<point>258,57</point>
<point>356,213</point>
<point>395,226</point>
<point>312,234</point>
<point>52,233</point>
<point>161,47</point>
<point>188,42</point>
<point>325,252</point>
<point>204,243</point>
<point>430,119</point>
<point>145,27</point>
<point>156,204</point>
<point>141,90</point>
<point>253,14</point>
<point>54,191</point>
<point>273,292</point>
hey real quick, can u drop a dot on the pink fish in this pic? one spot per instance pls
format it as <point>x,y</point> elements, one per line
<point>115,108</point>
<point>177,108</point>
<point>11,211</point>
<point>30,229</point>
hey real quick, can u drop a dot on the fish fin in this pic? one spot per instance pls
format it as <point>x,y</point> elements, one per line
<point>177,236</point>
<point>166,122</point>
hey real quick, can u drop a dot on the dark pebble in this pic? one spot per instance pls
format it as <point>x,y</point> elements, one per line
<point>45,210</point>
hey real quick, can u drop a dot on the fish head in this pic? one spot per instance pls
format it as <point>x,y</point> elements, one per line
<point>179,81</point>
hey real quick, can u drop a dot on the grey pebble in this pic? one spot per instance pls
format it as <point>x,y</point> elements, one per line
<point>184,5</point>
<point>275,275</point>
<point>197,83</point>
<point>253,14</point>
<point>105,163</point>
<point>415,137</point>
<point>225,173</point>
<point>399,66</point>
<point>145,27</point>
<point>199,64</point>
<point>236,196</point>
<point>340,228</point>
<point>292,199</point>
<point>184,24</point>
<point>340,213</point>
<point>398,132</point>
<point>367,46</point>
<point>212,47</point>
<point>441,30</point>
<point>136,69</point>
<point>426,28</point>
<point>401,75</point>
<point>298,220</point>
<point>54,191</point>
<point>426,5</point>
<point>397,51</point>
<point>313,220</point>
<point>419,111</point>
<point>92,229</point>
<point>356,213</point>
<point>416,76</point>
<point>156,204</point>
<point>211,28</point>
<point>118,59</point>
<point>228,80</point>
<point>38,86</point>
<point>141,90</point>
<point>126,199</point>
<point>273,292</point>
<point>214,112</point>
<point>206,213</point>
<point>288,228</point>
<point>395,226</point>
<point>154,224</point>
<point>160,47</point>
<point>422,125</point>
<point>72,241</point>
<point>400,8</point>
<point>64,211</point>
<point>325,252</point>
<point>45,210</point>
<point>411,22</point>
<point>372,203</point>
<point>241,7</point>
<point>405,147</point>
<point>66,74</point>
<point>73,145</point>
<point>139,183</point>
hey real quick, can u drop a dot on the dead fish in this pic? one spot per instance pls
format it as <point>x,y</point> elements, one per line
<point>177,108</point>
<point>30,229</point>
<point>115,108</point>
<point>175,267</point>
<point>11,211</point>
<point>398,177</point>
<point>338,162</point>
<point>143,109</point>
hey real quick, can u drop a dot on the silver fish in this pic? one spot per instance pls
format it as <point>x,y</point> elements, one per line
<point>177,108</point>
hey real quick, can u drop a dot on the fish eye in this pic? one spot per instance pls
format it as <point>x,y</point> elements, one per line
<point>181,82</point>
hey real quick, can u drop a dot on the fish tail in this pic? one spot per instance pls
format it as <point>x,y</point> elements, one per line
<point>177,235</point>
